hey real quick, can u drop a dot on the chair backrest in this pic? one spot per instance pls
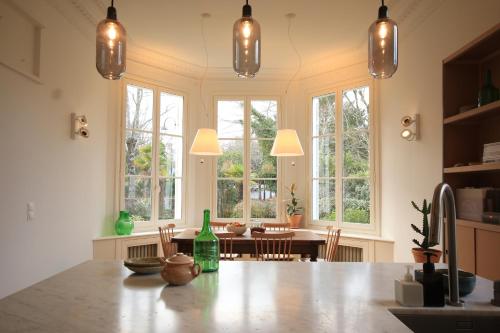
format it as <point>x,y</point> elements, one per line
<point>219,225</point>
<point>273,246</point>
<point>277,226</point>
<point>226,244</point>
<point>166,234</point>
<point>332,243</point>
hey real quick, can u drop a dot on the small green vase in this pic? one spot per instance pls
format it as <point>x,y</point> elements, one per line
<point>488,93</point>
<point>124,225</point>
<point>206,246</point>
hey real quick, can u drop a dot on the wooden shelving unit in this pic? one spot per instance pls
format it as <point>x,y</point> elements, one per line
<point>464,136</point>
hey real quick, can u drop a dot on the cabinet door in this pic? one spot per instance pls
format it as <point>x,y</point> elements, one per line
<point>466,248</point>
<point>488,254</point>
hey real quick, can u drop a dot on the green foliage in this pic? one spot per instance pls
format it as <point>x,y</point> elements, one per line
<point>292,207</point>
<point>425,210</point>
<point>263,209</point>
<point>356,215</point>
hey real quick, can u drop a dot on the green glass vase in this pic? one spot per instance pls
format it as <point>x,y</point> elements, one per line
<point>124,225</point>
<point>206,246</point>
<point>488,93</point>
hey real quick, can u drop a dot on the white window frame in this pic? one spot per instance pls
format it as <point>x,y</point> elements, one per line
<point>247,99</point>
<point>373,227</point>
<point>154,223</point>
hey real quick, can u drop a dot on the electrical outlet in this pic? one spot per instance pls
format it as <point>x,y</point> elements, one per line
<point>30,211</point>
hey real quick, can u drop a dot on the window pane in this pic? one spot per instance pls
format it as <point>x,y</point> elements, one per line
<point>171,108</point>
<point>263,198</point>
<point>138,197</point>
<point>324,115</point>
<point>263,119</point>
<point>356,154</point>
<point>139,108</point>
<point>170,199</point>
<point>138,153</point>
<point>355,108</point>
<point>170,156</point>
<point>324,199</point>
<point>230,119</point>
<point>230,164</point>
<point>324,157</point>
<point>262,164</point>
<point>229,198</point>
<point>356,200</point>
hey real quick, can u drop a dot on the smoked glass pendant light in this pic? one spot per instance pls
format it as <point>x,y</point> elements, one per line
<point>383,46</point>
<point>246,44</point>
<point>111,44</point>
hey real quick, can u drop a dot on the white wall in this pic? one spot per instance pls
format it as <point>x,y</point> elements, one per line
<point>68,180</point>
<point>411,170</point>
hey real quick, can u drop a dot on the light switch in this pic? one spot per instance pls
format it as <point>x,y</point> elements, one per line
<point>30,211</point>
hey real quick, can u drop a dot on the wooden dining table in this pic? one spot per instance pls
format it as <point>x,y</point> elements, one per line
<point>305,243</point>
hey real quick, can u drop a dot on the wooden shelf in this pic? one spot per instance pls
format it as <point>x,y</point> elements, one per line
<point>491,109</point>
<point>473,168</point>
<point>479,225</point>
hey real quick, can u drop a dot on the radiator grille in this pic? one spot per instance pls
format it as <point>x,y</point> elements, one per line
<point>141,251</point>
<point>345,253</point>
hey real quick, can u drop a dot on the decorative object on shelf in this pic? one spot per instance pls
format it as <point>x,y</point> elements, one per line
<point>79,126</point>
<point>124,224</point>
<point>410,125</point>
<point>148,265</point>
<point>488,93</point>
<point>246,44</point>
<point>491,212</point>
<point>383,46</point>
<point>206,246</point>
<point>236,227</point>
<point>179,269</point>
<point>465,108</point>
<point>419,253</point>
<point>111,46</point>
<point>286,143</point>
<point>293,212</point>
<point>491,152</point>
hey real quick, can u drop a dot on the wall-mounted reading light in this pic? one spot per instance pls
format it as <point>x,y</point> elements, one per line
<point>79,126</point>
<point>410,130</point>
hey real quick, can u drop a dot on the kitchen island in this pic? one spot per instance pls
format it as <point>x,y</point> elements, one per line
<point>104,296</point>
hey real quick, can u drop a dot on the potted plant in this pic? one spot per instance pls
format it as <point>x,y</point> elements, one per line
<point>293,212</point>
<point>423,246</point>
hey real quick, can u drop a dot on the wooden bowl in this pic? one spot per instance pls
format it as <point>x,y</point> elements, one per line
<point>148,265</point>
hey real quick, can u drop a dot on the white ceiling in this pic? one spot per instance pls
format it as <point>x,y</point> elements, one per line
<point>326,33</point>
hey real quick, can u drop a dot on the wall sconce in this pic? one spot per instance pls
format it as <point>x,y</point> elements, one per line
<point>410,130</point>
<point>79,126</point>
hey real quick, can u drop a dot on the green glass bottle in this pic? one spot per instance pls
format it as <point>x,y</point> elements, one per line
<point>124,225</point>
<point>206,246</point>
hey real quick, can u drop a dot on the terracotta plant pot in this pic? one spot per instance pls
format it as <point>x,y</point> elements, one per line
<point>294,221</point>
<point>420,257</point>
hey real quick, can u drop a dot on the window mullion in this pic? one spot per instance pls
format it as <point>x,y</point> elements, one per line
<point>246,161</point>
<point>155,181</point>
<point>338,158</point>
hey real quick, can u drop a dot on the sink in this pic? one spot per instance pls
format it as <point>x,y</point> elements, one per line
<point>442,321</point>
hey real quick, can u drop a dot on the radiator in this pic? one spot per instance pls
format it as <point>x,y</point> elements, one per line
<point>345,253</point>
<point>141,251</point>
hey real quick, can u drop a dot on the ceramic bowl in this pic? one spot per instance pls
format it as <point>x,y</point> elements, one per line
<point>237,230</point>
<point>149,265</point>
<point>466,281</point>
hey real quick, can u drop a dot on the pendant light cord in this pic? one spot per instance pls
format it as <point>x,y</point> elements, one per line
<point>203,37</point>
<point>290,17</point>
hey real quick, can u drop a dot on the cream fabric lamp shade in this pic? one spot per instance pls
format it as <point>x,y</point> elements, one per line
<point>205,143</point>
<point>287,143</point>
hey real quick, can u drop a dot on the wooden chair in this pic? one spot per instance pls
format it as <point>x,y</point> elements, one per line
<point>218,225</point>
<point>226,245</point>
<point>273,246</point>
<point>332,243</point>
<point>277,226</point>
<point>166,234</point>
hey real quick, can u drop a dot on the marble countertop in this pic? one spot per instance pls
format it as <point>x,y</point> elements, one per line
<point>103,296</point>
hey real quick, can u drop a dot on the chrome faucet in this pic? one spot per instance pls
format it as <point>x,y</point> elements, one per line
<point>443,194</point>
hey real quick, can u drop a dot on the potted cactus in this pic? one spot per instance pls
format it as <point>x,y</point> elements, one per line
<point>423,245</point>
<point>293,211</point>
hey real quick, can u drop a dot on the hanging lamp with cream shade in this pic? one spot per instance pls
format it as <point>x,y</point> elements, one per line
<point>287,143</point>
<point>205,142</point>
